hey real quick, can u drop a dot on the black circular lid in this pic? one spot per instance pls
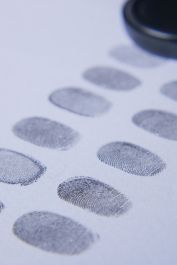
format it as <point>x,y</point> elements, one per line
<point>153,25</point>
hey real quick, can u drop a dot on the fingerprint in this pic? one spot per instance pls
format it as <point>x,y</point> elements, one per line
<point>80,101</point>
<point>17,168</point>
<point>93,195</point>
<point>1,206</point>
<point>111,78</point>
<point>135,56</point>
<point>54,233</point>
<point>161,123</point>
<point>46,133</point>
<point>130,158</point>
<point>170,90</point>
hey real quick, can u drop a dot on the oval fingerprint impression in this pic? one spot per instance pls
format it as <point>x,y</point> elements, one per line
<point>170,90</point>
<point>135,56</point>
<point>111,78</point>
<point>46,133</point>
<point>16,168</point>
<point>93,195</point>
<point>54,233</point>
<point>161,123</point>
<point>130,158</point>
<point>79,101</point>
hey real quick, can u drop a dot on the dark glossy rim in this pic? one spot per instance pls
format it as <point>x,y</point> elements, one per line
<point>132,19</point>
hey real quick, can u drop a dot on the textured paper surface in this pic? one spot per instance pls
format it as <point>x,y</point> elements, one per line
<point>48,45</point>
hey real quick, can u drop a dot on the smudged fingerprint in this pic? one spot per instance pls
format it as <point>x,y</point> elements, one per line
<point>17,168</point>
<point>160,123</point>
<point>96,196</point>
<point>46,133</point>
<point>1,206</point>
<point>170,90</point>
<point>54,233</point>
<point>80,101</point>
<point>111,78</point>
<point>135,56</point>
<point>131,158</point>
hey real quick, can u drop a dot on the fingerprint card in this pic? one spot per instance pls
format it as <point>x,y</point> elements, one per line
<point>88,146</point>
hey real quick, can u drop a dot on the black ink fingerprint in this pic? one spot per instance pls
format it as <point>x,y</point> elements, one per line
<point>111,78</point>
<point>170,90</point>
<point>135,56</point>
<point>1,206</point>
<point>16,168</point>
<point>94,195</point>
<point>161,123</point>
<point>79,101</point>
<point>130,158</point>
<point>46,133</point>
<point>54,233</point>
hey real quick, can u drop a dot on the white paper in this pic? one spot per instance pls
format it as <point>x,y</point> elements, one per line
<point>46,45</point>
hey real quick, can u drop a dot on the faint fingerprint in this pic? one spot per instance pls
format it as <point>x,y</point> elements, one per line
<point>80,101</point>
<point>1,206</point>
<point>17,168</point>
<point>170,90</point>
<point>130,158</point>
<point>46,133</point>
<point>111,78</point>
<point>94,195</point>
<point>161,123</point>
<point>135,56</point>
<point>54,233</point>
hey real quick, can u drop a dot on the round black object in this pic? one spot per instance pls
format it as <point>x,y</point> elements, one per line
<point>152,24</point>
